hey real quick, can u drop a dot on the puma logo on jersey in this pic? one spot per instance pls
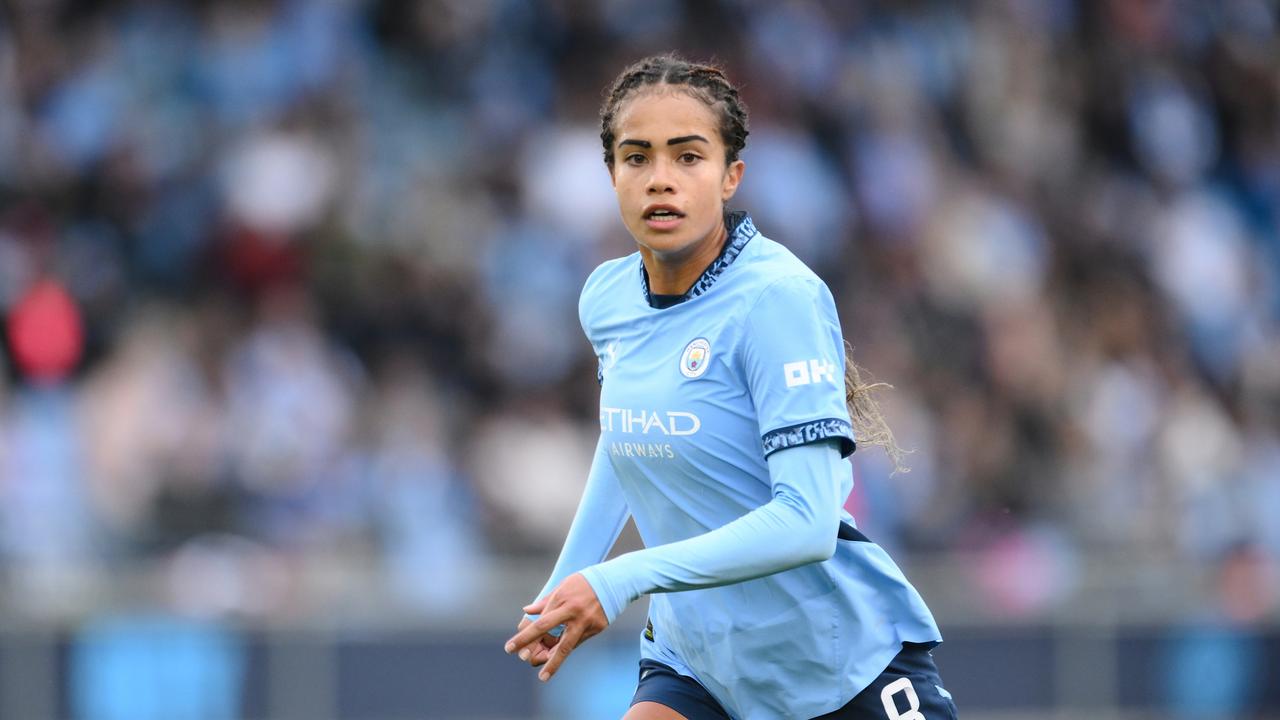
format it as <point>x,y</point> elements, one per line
<point>807,372</point>
<point>609,356</point>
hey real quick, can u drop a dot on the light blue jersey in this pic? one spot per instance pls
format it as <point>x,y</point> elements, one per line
<point>723,428</point>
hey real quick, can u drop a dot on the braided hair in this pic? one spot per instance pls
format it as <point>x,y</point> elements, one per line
<point>708,83</point>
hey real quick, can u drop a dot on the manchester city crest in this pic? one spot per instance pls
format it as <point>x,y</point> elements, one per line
<point>695,358</point>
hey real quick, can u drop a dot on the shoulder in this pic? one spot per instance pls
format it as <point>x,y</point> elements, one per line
<point>607,284</point>
<point>612,272</point>
<point>774,275</point>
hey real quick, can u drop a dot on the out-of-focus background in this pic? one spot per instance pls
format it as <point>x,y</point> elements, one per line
<point>295,409</point>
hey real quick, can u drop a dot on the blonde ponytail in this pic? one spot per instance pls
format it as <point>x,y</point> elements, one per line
<point>869,426</point>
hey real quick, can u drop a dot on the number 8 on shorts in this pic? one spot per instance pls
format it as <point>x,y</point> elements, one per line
<point>887,696</point>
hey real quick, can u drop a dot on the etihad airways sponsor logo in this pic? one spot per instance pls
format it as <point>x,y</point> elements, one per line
<point>660,451</point>
<point>649,422</point>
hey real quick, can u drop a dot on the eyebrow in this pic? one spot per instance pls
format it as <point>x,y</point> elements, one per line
<point>672,141</point>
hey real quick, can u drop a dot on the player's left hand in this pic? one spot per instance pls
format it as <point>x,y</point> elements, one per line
<point>573,604</point>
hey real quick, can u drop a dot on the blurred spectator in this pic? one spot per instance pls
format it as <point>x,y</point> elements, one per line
<point>533,485</point>
<point>425,512</point>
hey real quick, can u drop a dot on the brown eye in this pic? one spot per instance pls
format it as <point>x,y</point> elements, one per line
<point>634,159</point>
<point>689,158</point>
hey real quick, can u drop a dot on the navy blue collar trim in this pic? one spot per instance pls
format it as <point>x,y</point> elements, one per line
<point>741,230</point>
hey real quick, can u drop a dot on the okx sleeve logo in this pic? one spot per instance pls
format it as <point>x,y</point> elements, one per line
<point>806,372</point>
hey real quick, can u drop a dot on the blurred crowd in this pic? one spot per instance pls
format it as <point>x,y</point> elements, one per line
<point>287,283</point>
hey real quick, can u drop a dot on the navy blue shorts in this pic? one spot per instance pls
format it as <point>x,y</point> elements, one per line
<point>909,689</point>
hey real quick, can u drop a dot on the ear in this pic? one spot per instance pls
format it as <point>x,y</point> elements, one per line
<point>732,177</point>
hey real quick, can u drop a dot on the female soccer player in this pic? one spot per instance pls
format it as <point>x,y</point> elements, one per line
<point>724,428</point>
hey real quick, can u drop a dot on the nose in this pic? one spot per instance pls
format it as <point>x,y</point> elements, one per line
<point>660,180</point>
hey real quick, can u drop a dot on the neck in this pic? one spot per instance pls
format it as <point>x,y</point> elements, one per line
<point>675,273</point>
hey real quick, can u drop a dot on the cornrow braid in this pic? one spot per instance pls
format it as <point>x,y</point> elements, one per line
<point>706,82</point>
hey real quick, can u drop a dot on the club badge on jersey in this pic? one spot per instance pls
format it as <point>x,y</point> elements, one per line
<point>695,358</point>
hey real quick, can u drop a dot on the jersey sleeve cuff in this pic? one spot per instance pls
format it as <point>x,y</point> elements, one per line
<point>811,432</point>
<point>611,601</point>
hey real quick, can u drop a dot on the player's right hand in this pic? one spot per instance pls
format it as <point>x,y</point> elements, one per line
<point>572,604</point>
<point>538,653</point>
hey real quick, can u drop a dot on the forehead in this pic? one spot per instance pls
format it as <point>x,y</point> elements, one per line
<point>662,113</point>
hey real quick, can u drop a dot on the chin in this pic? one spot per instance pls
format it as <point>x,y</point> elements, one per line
<point>668,244</point>
<point>674,242</point>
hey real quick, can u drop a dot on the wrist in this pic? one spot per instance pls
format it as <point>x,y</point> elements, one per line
<point>611,598</point>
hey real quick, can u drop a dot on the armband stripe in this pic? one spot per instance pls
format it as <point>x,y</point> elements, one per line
<point>811,432</point>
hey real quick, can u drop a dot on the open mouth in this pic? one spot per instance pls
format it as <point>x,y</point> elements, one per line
<point>662,214</point>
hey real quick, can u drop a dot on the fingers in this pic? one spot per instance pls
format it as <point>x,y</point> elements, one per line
<point>542,651</point>
<point>568,641</point>
<point>536,629</point>
<point>536,653</point>
<point>524,622</point>
<point>572,604</point>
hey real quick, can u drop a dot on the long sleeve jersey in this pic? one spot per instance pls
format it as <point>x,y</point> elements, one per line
<point>723,432</point>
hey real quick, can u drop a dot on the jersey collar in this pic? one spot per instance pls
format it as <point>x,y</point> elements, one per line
<point>741,230</point>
